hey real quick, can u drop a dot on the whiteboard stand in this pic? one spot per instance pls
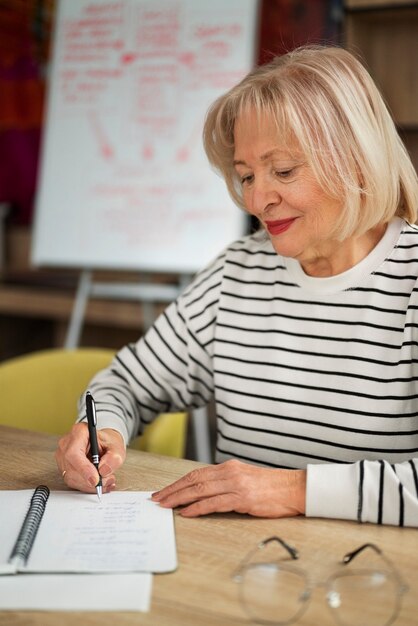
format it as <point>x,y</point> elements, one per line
<point>147,294</point>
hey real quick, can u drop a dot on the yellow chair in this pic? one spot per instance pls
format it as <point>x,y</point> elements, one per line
<point>39,391</point>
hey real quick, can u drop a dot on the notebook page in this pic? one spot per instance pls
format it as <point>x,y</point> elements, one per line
<point>125,532</point>
<point>13,508</point>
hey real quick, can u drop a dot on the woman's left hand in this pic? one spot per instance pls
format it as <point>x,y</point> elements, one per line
<point>237,486</point>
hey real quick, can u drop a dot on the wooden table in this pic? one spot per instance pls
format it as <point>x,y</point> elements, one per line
<point>201,591</point>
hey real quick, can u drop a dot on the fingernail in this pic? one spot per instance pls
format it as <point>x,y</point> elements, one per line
<point>105,469</point>
<point>155,495</point>
<point>92,480</point>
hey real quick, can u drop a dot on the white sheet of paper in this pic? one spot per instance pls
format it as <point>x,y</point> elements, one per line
<point>13,507</point>
<point>125,532</point>
<point>76,592</point>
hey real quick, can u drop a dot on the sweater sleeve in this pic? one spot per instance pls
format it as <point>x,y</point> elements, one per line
<point>167,370</point>
<point>366,491</point>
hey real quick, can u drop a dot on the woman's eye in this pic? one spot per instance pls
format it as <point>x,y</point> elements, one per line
<point>284,173</point>
<point>245,180</point>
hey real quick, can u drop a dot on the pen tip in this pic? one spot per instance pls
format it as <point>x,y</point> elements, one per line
<point>99,492</point>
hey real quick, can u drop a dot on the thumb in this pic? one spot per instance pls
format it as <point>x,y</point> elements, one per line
<point>114,452</point>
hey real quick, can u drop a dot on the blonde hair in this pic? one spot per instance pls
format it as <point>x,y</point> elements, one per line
<point>324,98</point>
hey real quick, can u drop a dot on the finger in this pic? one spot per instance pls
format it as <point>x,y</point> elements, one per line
<point>106,488</point>
<point>72,458</point>
<point>73,479</point>
<point>113,451</point>
<point>223,503</point>
<point>196,476</point>
<point>196,492</point>
<point>110,462</point>
<point>78,464</point>
<point>72,450</point>
<point>72,453</point>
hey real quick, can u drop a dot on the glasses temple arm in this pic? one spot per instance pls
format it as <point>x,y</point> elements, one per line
<point>350,556</point>
<point>293,553</point>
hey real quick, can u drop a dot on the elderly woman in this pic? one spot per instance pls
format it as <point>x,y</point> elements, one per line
<point>305,332</point>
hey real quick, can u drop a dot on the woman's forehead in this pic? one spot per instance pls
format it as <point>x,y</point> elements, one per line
<point>254,130</point>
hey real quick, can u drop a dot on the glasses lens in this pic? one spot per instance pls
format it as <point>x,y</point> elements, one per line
<point>367,598</point>
<point>272,594</point>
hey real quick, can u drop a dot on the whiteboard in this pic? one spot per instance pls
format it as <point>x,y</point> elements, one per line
<point>124,181</point>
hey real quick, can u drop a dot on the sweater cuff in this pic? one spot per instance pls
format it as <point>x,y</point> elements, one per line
<point>331,491</point>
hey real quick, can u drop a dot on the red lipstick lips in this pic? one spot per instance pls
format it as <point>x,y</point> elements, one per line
<point>276,227</point>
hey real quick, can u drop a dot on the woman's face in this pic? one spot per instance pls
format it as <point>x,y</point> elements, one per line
<point>280,190</point>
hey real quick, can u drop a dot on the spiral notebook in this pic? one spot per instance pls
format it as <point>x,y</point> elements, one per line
<point>67,531</point>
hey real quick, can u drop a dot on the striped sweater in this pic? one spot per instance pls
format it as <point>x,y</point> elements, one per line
<point>305,372</point>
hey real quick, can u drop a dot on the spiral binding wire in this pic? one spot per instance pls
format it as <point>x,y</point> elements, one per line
<point>30,526</point>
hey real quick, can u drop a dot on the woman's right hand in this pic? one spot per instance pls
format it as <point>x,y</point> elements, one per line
<point>77,471</point>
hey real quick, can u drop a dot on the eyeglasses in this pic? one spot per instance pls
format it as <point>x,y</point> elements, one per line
<point>277,593</point>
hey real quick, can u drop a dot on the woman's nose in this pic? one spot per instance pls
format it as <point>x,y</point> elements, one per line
<point>265,195</point>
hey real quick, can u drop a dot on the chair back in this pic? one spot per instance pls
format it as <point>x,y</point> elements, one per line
<point>39,391</point>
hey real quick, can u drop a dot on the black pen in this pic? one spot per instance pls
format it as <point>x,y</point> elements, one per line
<point>94,448</point>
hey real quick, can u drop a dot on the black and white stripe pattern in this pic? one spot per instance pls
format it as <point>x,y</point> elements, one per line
<point>304,371</point>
